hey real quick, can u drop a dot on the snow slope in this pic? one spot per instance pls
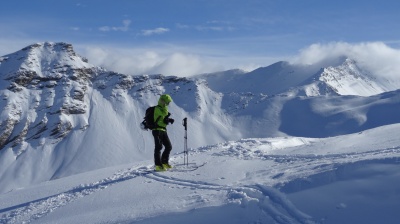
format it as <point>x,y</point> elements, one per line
<point>71,150</point>
<point>266,180</point>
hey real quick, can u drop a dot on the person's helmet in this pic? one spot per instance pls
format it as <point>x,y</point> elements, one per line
<point>166,98</point>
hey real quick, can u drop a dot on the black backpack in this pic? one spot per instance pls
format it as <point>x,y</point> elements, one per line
<point>148,121</point>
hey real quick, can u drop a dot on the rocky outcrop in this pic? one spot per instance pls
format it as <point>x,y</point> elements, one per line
<point>50,81</point>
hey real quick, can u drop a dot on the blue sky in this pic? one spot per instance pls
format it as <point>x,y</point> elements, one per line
<point>193,36</point>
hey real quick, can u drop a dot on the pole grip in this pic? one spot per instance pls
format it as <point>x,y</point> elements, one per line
<point>184,123</point>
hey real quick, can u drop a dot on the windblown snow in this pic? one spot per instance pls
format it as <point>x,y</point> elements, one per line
<point>285,143</point>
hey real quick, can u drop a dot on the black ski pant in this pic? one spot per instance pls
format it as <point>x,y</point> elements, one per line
<point>160,139</point>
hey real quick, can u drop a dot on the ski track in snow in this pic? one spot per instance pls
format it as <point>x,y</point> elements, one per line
<point>30,211</point>
<point>269,199</point>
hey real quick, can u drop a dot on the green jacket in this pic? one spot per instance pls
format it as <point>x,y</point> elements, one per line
<point>160,112</point>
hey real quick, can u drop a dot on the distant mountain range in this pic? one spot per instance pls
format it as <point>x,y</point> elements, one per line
<point>61,115</point>
<point>282,77</point>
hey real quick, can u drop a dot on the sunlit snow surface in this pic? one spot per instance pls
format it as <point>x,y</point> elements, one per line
<point>347,179</point>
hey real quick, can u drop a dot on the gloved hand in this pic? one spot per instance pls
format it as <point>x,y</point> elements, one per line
<point>168,120</point>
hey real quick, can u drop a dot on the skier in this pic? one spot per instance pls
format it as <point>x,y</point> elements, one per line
<point>162,119</point>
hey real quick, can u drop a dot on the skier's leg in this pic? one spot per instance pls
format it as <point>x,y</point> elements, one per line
<point>168,147</point>
<point>157,147</point>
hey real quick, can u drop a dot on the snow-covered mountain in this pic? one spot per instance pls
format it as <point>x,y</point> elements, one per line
<point>63,116</point>
<point>75,117</point>
<point>347,78</point>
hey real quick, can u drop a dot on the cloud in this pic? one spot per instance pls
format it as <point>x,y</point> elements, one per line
<point>125,61</point>
<point>150,61</point>
<point>124,27</point>
<point>376,57</point>
<point>210,26</point>
<point>159,30</point>
<point>216,25</point>
<point>182,64</point>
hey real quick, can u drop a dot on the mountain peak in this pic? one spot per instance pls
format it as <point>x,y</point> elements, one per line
<point>42,58</point>
<point>43,62</point>
<point>57,45</point>
<point>350,79</point>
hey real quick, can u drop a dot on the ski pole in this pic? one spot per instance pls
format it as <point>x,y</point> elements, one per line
<point>185,149</point>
